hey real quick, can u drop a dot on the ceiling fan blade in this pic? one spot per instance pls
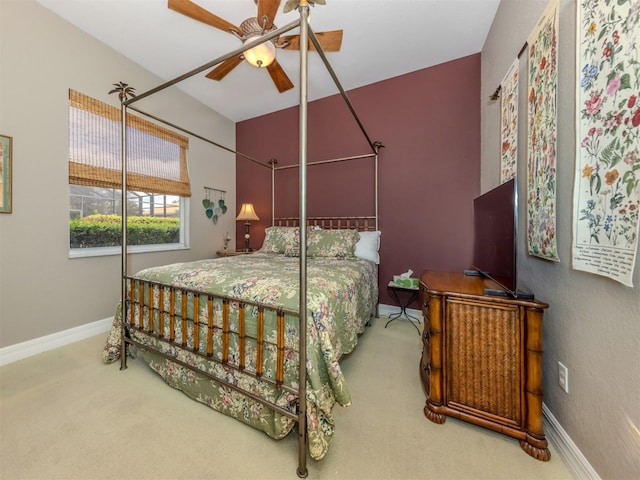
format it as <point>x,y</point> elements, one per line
<point>330,41</point>
<point>278,76</point>
<point>267,8</point>
<point>196,12</point>
<point>224,68</point>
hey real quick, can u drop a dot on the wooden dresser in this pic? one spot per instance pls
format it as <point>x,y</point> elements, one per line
<point>482,358</point>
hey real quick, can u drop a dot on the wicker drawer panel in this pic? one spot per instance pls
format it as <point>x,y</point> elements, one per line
<point>484,360</point>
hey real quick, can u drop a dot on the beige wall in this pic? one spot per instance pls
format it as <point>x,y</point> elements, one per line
<point>593,324</point>
<point>42,291</point>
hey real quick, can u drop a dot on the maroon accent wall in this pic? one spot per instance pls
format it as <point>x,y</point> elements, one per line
<point>429,170</point>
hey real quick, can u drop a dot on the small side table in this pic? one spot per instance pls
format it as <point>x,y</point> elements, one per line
<point>231,253</point>
<point>410,294</point>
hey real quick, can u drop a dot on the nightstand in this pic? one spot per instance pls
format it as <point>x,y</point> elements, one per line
<point>232,253</point>
<point>409,294</point>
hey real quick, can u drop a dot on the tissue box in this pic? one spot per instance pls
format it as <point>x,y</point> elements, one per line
<point>406,282</point>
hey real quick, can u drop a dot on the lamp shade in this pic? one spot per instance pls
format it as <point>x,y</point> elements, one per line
<point>261,55</point>
<point>247,213</point>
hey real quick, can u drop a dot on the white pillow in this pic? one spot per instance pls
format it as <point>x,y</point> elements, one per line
<point>368,245</point>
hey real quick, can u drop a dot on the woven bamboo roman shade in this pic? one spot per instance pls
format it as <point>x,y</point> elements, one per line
<point>156,156</point>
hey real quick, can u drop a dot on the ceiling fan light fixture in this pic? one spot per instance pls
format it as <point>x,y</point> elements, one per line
<point>261,55</point>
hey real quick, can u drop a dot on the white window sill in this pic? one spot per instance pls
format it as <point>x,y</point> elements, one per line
<point>109,251</point>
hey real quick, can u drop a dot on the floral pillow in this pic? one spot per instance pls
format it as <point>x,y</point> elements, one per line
<point>293,250</point>
<point>281,239</point>
<point>332,243</point>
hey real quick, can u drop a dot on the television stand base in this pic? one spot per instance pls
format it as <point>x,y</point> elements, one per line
<point>524,295</point>
<point>475,273</point>
<point>496,292</point>
<point>501,293</point>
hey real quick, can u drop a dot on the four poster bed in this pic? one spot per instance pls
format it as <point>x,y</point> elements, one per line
<point>228,332</point>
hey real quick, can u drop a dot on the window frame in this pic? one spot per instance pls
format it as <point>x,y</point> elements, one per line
<point>107,112</point>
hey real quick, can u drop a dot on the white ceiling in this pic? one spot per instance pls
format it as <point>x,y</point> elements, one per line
<point>382,39</point>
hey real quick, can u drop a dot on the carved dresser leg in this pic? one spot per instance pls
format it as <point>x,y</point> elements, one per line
<point>435,417</point>
<point>539,453</point>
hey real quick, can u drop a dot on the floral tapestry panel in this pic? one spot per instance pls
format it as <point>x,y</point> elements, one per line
<point>607,178</point>
<point>541,136</point>
<point>509,123</point>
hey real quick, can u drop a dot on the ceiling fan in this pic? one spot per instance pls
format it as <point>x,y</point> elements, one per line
<point>264,55</point>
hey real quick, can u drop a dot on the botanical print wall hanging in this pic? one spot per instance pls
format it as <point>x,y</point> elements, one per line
<point>509,123</point>
<point>541,136</point>
<point>607,178</point>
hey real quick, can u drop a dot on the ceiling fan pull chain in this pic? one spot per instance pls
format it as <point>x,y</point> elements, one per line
<point>265,21</point>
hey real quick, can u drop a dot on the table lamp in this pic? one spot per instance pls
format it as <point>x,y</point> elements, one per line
<point>247,214</point>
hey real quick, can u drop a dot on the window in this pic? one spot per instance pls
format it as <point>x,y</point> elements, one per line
<point>157,180</point>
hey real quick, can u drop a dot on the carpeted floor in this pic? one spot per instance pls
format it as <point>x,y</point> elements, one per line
<point>66,415</point>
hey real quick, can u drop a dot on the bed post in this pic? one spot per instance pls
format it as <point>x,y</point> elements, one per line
<point>302,395</point>
<point>376,146</point>
<point>273,162</point>
<point>123,288</point>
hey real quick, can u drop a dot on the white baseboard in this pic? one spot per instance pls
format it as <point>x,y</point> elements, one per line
<point>19,351</point>
<point>576,463</point>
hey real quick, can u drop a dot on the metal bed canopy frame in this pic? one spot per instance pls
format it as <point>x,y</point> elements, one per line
<point>306,35</point>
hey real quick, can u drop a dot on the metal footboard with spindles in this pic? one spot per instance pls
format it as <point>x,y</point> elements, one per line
<point>206,325</point>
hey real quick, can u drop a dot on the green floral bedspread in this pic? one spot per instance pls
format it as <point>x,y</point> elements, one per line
<point>342,295</point>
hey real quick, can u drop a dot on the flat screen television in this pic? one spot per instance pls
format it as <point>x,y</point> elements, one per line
<point>495,219</point>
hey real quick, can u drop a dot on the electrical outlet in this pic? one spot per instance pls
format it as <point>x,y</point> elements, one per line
<point>563,377</point>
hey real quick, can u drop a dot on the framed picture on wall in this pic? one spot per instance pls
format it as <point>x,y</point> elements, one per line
<point>5,174</point>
